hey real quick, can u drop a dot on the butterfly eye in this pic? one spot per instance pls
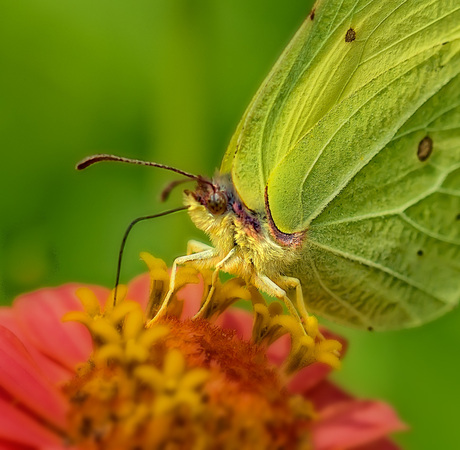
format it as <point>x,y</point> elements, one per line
<point>217,203</point>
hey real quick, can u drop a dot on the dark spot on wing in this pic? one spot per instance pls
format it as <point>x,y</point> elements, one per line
<point>458,217</point>
<point>312,14</point>
<point>420,253</point>
<point>350,36</point>
<point>370,329</point>
<point>425,147</point>
<point>444,43</point>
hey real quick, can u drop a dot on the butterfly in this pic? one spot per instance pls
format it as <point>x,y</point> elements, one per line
<point>339,192</point>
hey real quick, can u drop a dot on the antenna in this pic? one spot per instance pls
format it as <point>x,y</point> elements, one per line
<point>125,236</point>
<point>90,160</point>
<point>167,190</point>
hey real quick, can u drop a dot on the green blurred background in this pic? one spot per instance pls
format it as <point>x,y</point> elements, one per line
<point>164,80</point>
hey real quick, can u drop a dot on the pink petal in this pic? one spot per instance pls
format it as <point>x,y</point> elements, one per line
<point>308,378</point>
<point>19,428</point>
<point>237,319</point>
<point>138,290</point>
<point>191,295</point>
<point>40,316</point>
<point>381,444</point>
<point>279,350</point>
<point>325,394</point>
<point>13,446</point>
<point>53,370</point>
<point>354,423</point>
<point>330,335</point>
<point>21,378</point>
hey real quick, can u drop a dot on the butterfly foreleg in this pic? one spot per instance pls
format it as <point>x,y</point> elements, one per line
<point>197,247</point>
<point>294,283</point>
<point>208,254</point>
<point>298,311</point>
<point>265,284</point>
<point>214,278</point>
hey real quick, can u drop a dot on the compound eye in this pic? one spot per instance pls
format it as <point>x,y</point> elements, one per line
<point>217,203</point>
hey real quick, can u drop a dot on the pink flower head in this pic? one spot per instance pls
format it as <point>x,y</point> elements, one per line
<point>103,380</point>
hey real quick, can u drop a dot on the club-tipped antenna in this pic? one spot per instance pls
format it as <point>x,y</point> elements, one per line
<point>125,236</point>
<point>90,160</point>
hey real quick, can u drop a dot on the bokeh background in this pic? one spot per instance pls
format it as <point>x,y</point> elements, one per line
<point>163,80</point>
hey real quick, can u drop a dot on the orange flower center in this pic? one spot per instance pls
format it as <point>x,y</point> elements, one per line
<point>198,386</point>
<point>167,383</point>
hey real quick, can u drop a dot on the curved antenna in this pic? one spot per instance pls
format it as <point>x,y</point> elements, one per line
<point>90,160</point>
<point>125,236</point>
<point>167,190</point>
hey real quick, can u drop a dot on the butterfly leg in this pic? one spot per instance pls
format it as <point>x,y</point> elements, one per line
<point>265,284</point>
<point>215,275</point>
<point>197,247</point>
<point>200,256</point>
<point>294,283</point>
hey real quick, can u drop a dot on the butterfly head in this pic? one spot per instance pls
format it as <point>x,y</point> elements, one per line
<point>215,207</point>
<point>212,195</point>
<point>211,207</point>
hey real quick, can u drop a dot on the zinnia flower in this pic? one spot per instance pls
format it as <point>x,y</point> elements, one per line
<point>110,378</point>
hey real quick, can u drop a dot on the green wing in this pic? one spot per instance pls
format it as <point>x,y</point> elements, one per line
<point>385,252</point>
<point>339,135</point>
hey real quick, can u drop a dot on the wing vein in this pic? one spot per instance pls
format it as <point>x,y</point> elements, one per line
<point>364,46</point>
<point>380,267</point>
<point>452,192</point>
<point>428,232</point>
<point>359,168</point>
<point>325,83</point>
<point>396,211</point>
<point>427,124</point>
<point>344,303</point>
<point>413,33</point>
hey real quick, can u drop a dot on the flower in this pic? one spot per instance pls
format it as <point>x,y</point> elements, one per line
<point>101,379</point>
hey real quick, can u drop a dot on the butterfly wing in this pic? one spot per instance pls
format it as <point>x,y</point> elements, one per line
<point>355,137</point>
<point>385,252</point>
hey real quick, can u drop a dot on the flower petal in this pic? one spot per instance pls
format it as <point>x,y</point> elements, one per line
<point>17,427</point>
<point>39,314</point>
<point>354,423</point>
<point>138,290</point>
<point>53,370</point>
<point>237,319</point>
<point>279,350</point>
<point>13,446</point>
<point>381,444</point>
<point>326,393</point>
<point>24,381</point>
<point>192,293</point>
<point>307,378</point>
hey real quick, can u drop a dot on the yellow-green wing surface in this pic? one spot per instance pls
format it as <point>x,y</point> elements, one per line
<point>355,134</point>
<point>385,252</point>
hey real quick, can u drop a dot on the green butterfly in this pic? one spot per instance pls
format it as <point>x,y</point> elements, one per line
<point>342,181</point>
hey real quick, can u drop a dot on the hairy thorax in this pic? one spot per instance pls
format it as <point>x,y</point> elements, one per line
<point>255,250</point>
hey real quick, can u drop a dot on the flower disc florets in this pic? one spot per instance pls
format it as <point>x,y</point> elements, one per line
<point>155,375</point>
<point>185,383</point>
